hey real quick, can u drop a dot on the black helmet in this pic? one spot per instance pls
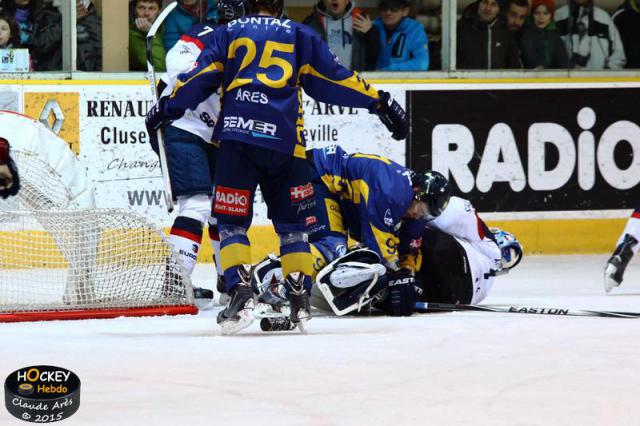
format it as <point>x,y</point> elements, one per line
<point>432,188</point>
<point>228,10</point>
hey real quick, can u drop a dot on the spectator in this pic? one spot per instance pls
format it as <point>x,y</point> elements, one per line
<point>404,42</point>
<point>47,37</point>
<point>24,12</point>
<point>627,19</point>
<point>9,32</point>
<point>348,31</point>
<point>483,39</point>
<point>145,13</point>
<point>590,36</point>
<point>184,16</point>
<point>540,43</point>
<point>517,12</point>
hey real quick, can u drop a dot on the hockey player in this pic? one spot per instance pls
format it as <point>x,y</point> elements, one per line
<point>9,179</point>
<point>462,256</point>
<point>381,205</point>
<point>192,152</point>
<point>262,63</point>
<point>626,247</point>
<point>378,203</point>
<point>459,258</point>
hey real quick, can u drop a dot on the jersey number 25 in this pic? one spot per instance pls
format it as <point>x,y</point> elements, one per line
<point>266,60</point>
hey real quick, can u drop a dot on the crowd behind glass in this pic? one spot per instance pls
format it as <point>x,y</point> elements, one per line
<point>396,35</point>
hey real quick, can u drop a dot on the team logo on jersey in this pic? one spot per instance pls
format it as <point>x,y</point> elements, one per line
<point>388,218</point>
<point>256,128</point>
<point>301,192</point>
<point>310,220</point>
<point>231,201</point>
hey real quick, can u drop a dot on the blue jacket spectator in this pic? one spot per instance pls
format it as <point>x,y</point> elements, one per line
<point>183,17</point>
<point>404,43</point>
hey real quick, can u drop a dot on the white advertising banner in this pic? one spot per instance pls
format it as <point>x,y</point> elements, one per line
<point>114,145</point>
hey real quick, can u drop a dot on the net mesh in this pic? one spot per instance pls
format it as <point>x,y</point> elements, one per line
<point>54,256</point>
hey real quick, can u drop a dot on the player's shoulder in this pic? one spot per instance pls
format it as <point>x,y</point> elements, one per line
<point>201,31</point>
<point>460,205</point>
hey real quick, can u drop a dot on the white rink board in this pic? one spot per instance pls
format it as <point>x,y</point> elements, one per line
<point>126,174</point>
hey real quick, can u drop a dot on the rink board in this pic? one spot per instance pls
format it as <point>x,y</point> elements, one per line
<point>103,121</point>
<point>547,236</point>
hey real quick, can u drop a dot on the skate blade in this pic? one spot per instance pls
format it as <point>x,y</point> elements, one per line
<point>231,327</point>
<point>302,323</point>
<point>609,282</point>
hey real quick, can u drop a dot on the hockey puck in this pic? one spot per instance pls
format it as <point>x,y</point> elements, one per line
<point>42,393</point>
<point>276,324</point>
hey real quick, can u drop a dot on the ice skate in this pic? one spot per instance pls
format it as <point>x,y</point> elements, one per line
<point>616,265</point>
<point>299,301</point>
<point>238,313</point>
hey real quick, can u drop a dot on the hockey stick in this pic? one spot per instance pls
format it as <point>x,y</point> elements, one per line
<point>283,323</point>
<point>444,307</point>
<point>168,194</point>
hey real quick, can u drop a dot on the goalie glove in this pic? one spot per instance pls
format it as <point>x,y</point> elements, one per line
<point>9,179</point>
<point>391,114</point>
<point>402,293</point>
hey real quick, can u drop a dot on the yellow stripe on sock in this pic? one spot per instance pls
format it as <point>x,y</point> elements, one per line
<point>235,254</point>
<point>297,262</point>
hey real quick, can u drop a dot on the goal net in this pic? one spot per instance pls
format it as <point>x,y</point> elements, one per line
<point>62,258</point>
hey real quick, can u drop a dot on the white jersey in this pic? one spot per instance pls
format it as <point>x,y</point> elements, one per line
<point>181,58</point>
<point>460,220</point>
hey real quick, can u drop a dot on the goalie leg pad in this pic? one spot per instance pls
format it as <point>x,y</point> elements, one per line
<point>268,281</point>
<point>352,281</point>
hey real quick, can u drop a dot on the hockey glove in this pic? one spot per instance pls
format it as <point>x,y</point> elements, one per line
<point>9,180</point>
<point>402,293</point>
<point>155,121</point>
<point>392,115</point>
<point>11,186</point>
<point>510,248</point>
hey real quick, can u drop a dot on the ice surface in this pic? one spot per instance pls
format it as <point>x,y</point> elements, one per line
<point>466,368</point>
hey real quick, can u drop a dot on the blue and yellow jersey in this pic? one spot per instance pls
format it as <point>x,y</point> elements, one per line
<point>262,63</point>
<point>375,194</point>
